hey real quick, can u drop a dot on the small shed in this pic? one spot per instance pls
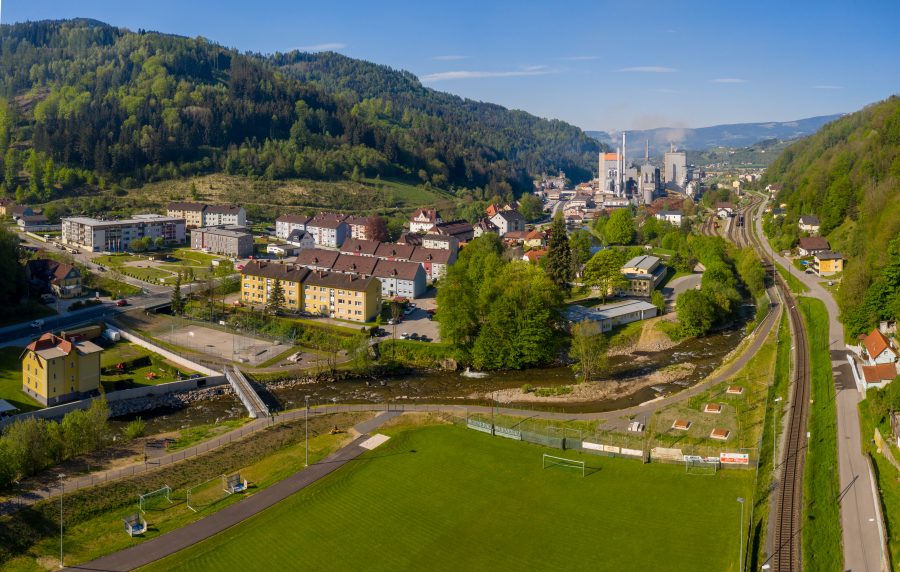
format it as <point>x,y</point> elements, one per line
<point>720,434</point>
<point>712,408</point>
<point>681,424</point>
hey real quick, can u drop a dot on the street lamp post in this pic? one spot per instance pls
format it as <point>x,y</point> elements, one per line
<point>741,529</point>
<point>62,490</point>
<point>306,423</point>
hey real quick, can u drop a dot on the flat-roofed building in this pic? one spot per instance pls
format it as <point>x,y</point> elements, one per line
<point>55,370</point>
<point>342,296</point>
<point>258,277</point>
<point>96,235</point>
<point>232,241</point>
<point>644,273</point>
<point>612,315</point>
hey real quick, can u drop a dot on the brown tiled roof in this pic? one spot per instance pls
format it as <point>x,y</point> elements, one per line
<point>327,220</point>
<point>355,264</point>
<point>357,246</point>
<point>875,343</point>
<point>274,270</point>
<point>516,235</point>
<point>317,257</point>
<point>292,218</point>
<point>397,269</point>
<point>429,214</point>
<point>879,372</point>
<point>453,228</point>
<point>534,234</point>
<point>393,250</point>
<point>184,206</point>
<point>432,255</point>
<point>34,218</point>
<point>412,238</point>
<point>813,243</point>
<point>355,220</point>
<point>49,270</point>
<point>336,280</point>
<point>535,255</point>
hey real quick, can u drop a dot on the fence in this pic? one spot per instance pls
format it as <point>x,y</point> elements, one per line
<point>180,359</point>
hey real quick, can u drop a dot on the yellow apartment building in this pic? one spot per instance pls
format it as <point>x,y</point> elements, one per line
<point>827,263</point>
<point>343,296</point>
<point>258,278</point>
<point>55,370</point>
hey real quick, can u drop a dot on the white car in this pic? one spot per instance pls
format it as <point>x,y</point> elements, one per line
<point>404,336</point>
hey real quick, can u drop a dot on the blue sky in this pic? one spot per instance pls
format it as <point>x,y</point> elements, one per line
<point>599,65</point>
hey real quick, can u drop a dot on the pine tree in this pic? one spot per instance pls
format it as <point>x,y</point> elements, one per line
<point>276,298</point>
<point>559,255</point>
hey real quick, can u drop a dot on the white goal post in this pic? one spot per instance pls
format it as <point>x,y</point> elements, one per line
<point>700,465</point>
<point>552,461</point>
<point>144,499</point>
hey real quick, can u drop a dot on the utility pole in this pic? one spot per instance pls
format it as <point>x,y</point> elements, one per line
<point>741,529</point>
<point>775,432</point>
<point>62,490</point>
<point>306,423</point>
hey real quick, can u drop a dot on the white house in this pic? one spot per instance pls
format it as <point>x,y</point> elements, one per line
<point>507,221</point>
<point>809,223</point>
<point>672,217</point>
<point>301,239</point>
<point>878,348</point>
<point>328,229</point>
<point>423,219</point>
<point>285,224</point>
<point>724,210</point>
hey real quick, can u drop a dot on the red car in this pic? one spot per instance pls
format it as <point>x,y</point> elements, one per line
<point>122,302</point>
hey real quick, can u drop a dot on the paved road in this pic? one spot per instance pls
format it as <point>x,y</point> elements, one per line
<point>198,531</point>
<point>860,520</point>
<point>679,285</point>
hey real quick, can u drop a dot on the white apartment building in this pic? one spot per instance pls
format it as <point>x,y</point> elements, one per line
<point>96,235</point>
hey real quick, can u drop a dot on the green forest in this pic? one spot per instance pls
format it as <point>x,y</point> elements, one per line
<point>84,106</point>
<point>848,174</point>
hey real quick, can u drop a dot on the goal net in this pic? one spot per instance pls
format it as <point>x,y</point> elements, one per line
<point>206,493</point>
<point>549,461</point>
<point>155,500</point>
<point>701,466</point>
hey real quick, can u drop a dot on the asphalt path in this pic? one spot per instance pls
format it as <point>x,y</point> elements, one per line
<point>860,519</point>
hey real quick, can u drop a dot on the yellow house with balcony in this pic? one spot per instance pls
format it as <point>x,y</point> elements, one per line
<point>258,279</point>
<point>55,370</point>
<point>342,296</point>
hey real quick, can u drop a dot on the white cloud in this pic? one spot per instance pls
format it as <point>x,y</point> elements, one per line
<point>649,69</point>
<point>728,80</point>
<point>324,47</point>
<point>828,87</point>
<point>469,74</point>
<point>450,58</point>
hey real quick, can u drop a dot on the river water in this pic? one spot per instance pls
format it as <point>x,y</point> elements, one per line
<point>706,354</point>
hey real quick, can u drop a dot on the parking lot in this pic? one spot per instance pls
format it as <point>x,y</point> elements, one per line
<point>417,322</point>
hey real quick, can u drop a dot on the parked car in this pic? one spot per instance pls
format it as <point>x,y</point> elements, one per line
<point>414,336</point>
<point>404,336</point>
<point>195,376</point>
<point>408,310</point>
<point>37,324</point>
<point>122,302</point>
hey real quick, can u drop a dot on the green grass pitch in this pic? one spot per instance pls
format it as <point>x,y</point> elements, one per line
<point>448,498</point>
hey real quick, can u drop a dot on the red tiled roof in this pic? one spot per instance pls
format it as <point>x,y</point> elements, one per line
<point>357,246</point>
<point>433,255</point>
<point>397,269</point>
<point>535,255</point>
<point>317,257</point>
<point>875,343</point>
<point>355,264</point>
<point>880,372</point>
<point>810,243</point>
<point>396,251</point>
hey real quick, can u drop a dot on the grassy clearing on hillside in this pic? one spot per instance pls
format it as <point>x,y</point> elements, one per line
<point>821,487</point>
<point>448,498</point>
<point>11,380</point>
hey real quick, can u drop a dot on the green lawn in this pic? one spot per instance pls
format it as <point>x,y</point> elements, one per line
<point>821,486</point>
<point>124,352</point>
<point>11,380</point>
<point>448,498</point>
<point>793,282</point>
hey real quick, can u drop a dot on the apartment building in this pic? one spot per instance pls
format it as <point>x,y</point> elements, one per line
<point>342,296</point>
<point>259,276</point>
<point>359,227</point>
<point>400,278</point>
<point>197,215</point>
<point>96,235</point>
<point>232,241</point>
<point>287,223</point>
<point>55,370</point>
<point>644,273</point>
<point>328,230</point>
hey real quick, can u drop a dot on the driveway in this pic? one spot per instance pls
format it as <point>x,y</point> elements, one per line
<point>677,286</point>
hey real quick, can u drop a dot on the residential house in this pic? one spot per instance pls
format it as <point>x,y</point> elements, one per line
<point>671,217</point>
<point>644,273</point>
<point>612,315</point>
<point>258,277</point>
<point>809,223</point>
<point>434,261</point>
<point>535,239</point>
<point>400,278</point>
<point>877,376</point>
<point>218,215</point>
<point>423,220</point>
<point>809,245</point>
<point>359,247</point>
<point>392,251</point>
<point>287,223</point>
<point>774,188</point>
<point>582,201</point>
<point>64,280</point>
<point>350,264</point>
<point>282,249</point>
<point>55,370</point>
<point>515,237</point>
<point>484,226</point>
<point>826,263</point>
<point>461,230</point>
<point>342,296</point>
<point>878,348</point>
<point>233,241</point>
<point>18,211</point>
<point>317,258</point>
<point>328,230</point>
<point>440,242</point>
<point>96,235</point>
<point>508,221</point>
<point>535,256</point>
<point>573,211</point>
<point>301,239</point>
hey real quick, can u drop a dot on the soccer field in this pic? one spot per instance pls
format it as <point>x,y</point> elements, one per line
<point>448,498</point>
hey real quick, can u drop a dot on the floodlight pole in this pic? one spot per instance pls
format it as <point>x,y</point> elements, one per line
<point>741,530</point>
<point>306,423</point>
<point>62,490</point>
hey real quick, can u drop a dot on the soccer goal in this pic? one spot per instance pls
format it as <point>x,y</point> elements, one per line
<point>701,466</point>
<point>550,461</point>
<point>206,493</point>
<point>154,499</point>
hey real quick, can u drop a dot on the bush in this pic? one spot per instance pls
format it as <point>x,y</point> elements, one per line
<point>135,429</point>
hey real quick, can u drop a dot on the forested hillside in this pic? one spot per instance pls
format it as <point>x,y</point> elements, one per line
<point>85,104</point>
<point>849,175</point>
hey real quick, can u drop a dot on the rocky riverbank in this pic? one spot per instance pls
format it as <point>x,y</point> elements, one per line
<point>169,401</point>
